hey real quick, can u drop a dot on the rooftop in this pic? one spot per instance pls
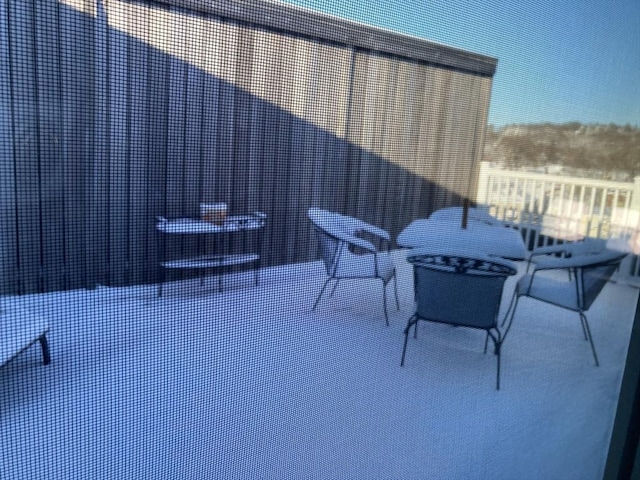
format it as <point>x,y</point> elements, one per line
<point>250,382</point>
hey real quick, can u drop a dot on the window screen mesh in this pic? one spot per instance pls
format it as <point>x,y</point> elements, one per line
<point>157,167</point>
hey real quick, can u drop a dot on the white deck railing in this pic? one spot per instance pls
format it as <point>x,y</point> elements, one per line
<point>553,208</point>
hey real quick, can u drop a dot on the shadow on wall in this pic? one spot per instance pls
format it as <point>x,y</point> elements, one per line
<point>120,131</point>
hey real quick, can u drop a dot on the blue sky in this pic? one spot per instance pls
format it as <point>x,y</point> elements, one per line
<point>558,61</point>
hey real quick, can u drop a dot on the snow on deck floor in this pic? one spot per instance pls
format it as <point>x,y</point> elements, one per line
<point>250,383</point>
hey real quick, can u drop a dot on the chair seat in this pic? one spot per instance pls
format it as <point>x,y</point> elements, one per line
<point>562,294</point>
<point>363,266</point>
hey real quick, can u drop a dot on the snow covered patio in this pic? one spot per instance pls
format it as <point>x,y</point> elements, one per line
<point>250,383</point>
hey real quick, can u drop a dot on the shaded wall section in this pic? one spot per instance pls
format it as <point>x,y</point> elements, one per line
<point>115,112</point>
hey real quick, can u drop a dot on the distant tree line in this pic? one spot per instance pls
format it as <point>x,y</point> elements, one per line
<point>609,148</point>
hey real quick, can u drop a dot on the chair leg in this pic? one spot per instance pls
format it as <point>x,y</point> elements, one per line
<point>321,292</point>
<point>335,285</point>
<point>506,315</point>
<point>384,303</point>
<point>528,265</point>
<point>161,282</point>
<point>413,319</point>
<point>512,307</point>
<point>498,348</point>
<point>46,356</point>
<point>395,288</point>
<point>588,330</point>
<point>584,329</point>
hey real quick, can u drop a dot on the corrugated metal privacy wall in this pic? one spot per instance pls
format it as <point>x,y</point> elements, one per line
<point>117,111</point>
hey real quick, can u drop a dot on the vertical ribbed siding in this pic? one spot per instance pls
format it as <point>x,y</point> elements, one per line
<point>137,110</point>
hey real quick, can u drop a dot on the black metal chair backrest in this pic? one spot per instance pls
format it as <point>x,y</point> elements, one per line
<point>462,289</point>
<point>459,290</point>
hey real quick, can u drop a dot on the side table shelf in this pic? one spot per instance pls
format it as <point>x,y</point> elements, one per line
<point>212,261</point>
<point>215,260</point>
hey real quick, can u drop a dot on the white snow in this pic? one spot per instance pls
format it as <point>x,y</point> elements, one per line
<point>250,383</point>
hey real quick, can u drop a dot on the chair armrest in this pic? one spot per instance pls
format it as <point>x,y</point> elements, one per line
<point>344,228</point>
<point>554,263</point>
<point>569,249</point>
<point>356,225</point>
<point>358,242</point>
<point>578,261</point>
<point>378,232</point>
<point>549,250</point>
<point>345,236</point>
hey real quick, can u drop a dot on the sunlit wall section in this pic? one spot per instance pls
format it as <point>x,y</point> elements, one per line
<point>243,55</point>
<point>423,125</point>
<point>463,112</point>
<point>87,7</point>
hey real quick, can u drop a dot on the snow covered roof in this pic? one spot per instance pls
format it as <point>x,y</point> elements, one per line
<point>250,382</point>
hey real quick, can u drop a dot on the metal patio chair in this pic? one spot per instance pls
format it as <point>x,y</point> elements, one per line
<point>588,271</point>
<point>347,255</point>
<point>462,289</point>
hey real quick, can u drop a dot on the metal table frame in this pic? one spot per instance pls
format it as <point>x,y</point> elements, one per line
<point>207,261</point>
